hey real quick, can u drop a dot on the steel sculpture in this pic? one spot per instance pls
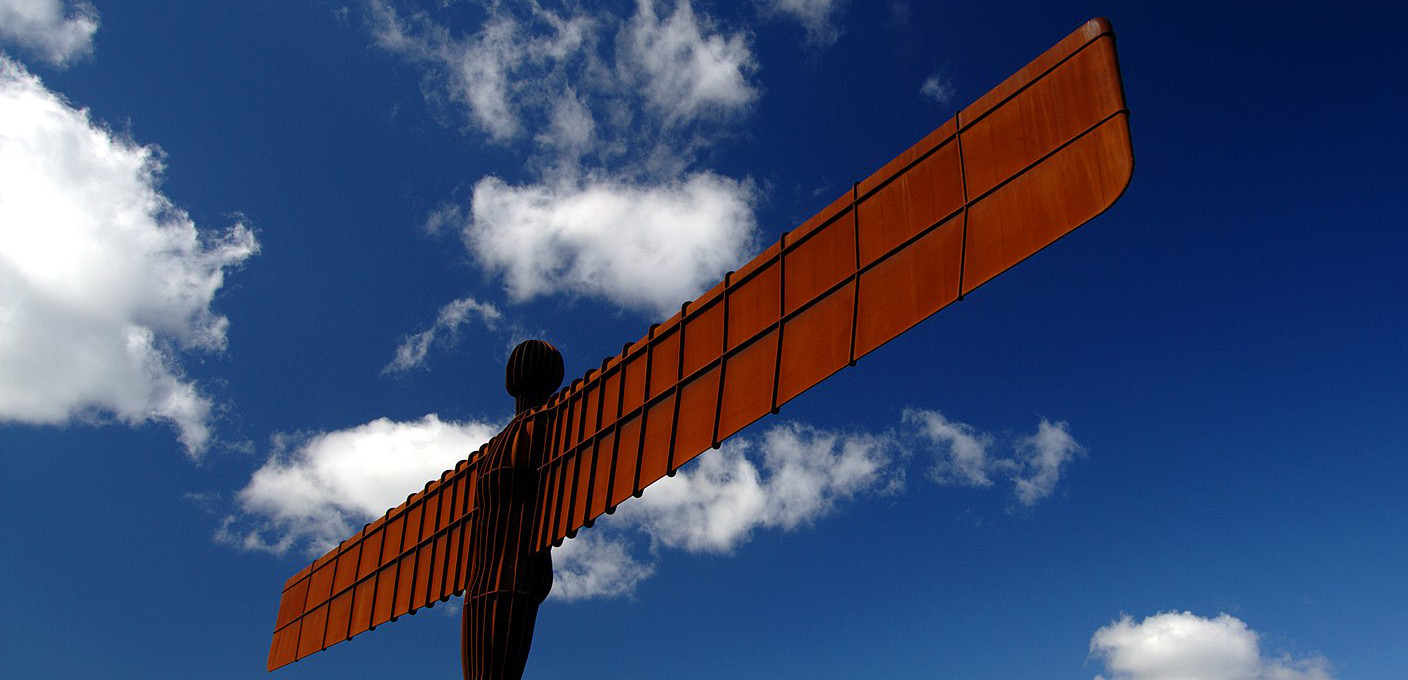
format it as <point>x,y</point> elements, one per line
<point>1041,154</point>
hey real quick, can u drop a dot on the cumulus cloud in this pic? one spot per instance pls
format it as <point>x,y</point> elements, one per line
<point>816,16</point>
<point>413,348</point>
<point>686,72</point>
<point>315,490</point>
<point>789,478</point>
<point>646,246</point>
<point>795,475</point>
<point>104,282</point>
<point>594,565</point>
<point>1184,646</point>
<point>52,30</point>
<point>962,455</point>
<point>612,113</point>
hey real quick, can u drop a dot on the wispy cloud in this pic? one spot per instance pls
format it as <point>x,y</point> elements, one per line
<point>104,282</point>
<point>963,456</point>
<point>817,17</point>
<point>938,89</point>
<point>960,451</point>
<point>1176,646</point>
<point>413,349</point>
<point>609,115</point>
<point>1040,458</point>
<point>53,31</point>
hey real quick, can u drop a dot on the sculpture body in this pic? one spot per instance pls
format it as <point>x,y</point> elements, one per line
<point>507,579</point>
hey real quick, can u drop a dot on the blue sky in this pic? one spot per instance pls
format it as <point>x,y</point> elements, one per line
<point>261,265</point>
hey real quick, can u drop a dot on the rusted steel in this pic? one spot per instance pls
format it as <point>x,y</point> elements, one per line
<point>1042,153</point>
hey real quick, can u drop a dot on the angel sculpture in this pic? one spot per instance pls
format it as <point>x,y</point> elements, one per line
<point>1044,152</point>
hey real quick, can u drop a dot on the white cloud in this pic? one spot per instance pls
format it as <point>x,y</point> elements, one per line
<point>685,73</point>
<point>1184,646</point>
<point>1040,458</point>
<point>51,31</point>
<point>499,74</point>
<point>792,477</point>
<point>617,111</point>
<point>816,16</point>
<point>642,246</point>
<point>805,472</point>
<point>104,282</point>
<point>963,455</point>
<point>938,89</point>
<point>962,452</point>
<point>413,348</point>
<point>316,490</point>
<point>595,564</point>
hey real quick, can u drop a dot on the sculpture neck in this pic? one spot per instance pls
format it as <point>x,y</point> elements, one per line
<point>523,403</point>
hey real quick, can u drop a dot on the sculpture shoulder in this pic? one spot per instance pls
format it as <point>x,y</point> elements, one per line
<point>531,435</point>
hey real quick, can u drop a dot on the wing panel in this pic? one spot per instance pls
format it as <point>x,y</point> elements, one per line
<point>753,303</point>
<point>291,605</point>
<point>364,596</point>
<point>924,194</point>
<point>582,496</point>
<point>818,261</point>
<point>339,619</point>
<point>703,334</point>
<point>664,361</point>
<point>1088,33</point>
<point>284,649</point>
<point>747,393</point>
<point>623,477</point>
<point>815,343</point>
<point>655,441</point>
<point>310,636</point>
<point>603,474</point>
<point>1076,94</point>
<point>1025,215</point>
<point>695,429</point>
<point>908,286</point>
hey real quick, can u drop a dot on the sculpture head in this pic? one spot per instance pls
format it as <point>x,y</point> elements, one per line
<point>534,372</point>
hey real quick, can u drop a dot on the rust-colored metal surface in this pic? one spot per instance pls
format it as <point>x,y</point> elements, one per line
<point>1042,153</point>
<point>407,559</point>
<point>1039,155</point>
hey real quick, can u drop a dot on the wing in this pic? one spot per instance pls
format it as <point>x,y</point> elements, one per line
<point>409,558</point>
<point>1039,155</point>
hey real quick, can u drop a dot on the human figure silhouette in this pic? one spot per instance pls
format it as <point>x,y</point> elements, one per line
<point>507,581</point>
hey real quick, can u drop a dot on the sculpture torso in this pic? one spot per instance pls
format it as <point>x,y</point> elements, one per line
<point>507,582</point>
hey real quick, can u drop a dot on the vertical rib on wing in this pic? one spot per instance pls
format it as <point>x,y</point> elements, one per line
<point>409,558</point>
<point>1042,153</point>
